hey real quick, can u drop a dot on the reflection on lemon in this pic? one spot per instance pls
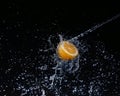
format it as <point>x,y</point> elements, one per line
<point>67,50</point>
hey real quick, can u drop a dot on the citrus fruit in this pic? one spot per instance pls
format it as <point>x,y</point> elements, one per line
<point>67,50</point>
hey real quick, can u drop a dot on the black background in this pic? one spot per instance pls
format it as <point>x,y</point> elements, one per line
<point>24,24</point>
<point>68,18</point>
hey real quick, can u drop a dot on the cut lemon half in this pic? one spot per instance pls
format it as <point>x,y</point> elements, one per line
<point>67,50</point>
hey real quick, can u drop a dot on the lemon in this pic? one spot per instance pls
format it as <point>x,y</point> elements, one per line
<point>67,50</point>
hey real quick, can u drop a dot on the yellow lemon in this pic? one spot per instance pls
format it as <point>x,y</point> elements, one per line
<point>67,50</point>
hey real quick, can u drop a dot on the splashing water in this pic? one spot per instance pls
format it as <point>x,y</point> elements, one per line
<point>62,68</point>
<point>70,67</point>
<point>52,76</point>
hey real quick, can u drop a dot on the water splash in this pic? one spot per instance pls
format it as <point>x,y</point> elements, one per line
<point>72,66</point>
<point>47,73</point>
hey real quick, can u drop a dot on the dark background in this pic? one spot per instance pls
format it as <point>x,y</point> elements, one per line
<point>24,25</point>
<point>67,18</point>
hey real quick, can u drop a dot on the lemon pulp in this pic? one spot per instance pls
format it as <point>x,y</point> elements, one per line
<point>67,50</point>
